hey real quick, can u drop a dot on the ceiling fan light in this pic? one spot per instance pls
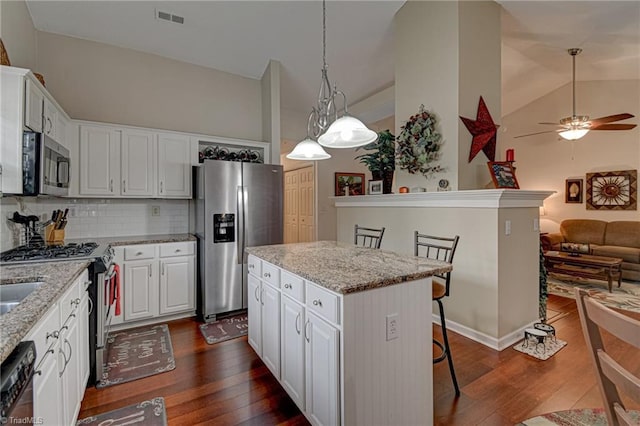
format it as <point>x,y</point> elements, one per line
<point>308,150</point>
<point>573,134</point>
<point>347,132</point>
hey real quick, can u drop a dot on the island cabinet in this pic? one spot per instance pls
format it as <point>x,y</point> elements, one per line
<point>353,332</point>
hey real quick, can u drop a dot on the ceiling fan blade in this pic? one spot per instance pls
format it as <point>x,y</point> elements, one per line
<point>551,124</point>
<point>537,133</point>
<point>614,127</point>
<point>610,119</point>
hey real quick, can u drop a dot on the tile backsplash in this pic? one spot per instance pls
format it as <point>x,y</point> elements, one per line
<point>89,218</point>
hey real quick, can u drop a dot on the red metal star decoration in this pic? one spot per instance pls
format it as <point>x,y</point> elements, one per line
<point>484,132</point>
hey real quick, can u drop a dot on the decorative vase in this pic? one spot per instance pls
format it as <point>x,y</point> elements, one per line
<point>387,181</point>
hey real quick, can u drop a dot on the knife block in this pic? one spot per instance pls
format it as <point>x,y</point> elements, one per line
<point>53,236</point>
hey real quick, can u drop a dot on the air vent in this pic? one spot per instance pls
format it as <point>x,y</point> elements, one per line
<point>170,17</point>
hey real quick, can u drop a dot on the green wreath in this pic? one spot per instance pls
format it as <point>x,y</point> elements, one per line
<point>419,144</point>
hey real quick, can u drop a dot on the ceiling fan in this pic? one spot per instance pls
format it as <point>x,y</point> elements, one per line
<point>576,126</point>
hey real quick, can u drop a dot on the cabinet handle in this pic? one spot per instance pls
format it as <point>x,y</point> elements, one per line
<point>139,253</point>
<point>50,125</point>
<point>54,334</point>
<point>256,294</point>
<point>306,335</point>
<point>149,270</point>
<point>90,305</point>
<point>287,286</point>
<point>111,185</point>
<point>161,187</point>
<point>262,297</point>
<point>163,269</point>
<point>317,302</point>
<point>124,185</point>
<point>297,326</point>
<point>178,250</point>
<point>46,354</point>
<point>251,266</point>
<point>267,275</point>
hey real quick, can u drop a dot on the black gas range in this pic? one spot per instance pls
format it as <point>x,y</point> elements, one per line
<point>101,254</point>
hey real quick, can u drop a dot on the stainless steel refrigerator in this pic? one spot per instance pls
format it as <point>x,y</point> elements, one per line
<point>236,205</point>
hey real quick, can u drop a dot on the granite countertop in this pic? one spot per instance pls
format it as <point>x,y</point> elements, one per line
<point>57,277</point>
<point>142,239</point>
<point>346,268</point>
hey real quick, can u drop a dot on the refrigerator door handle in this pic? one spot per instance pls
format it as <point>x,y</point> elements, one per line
<point>240,226</point>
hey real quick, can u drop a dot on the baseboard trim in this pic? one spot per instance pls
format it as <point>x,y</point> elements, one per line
<point>149,321</point>
<point>494,343</point>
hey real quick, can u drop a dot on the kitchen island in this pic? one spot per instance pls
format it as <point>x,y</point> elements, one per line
<point>346,330</point>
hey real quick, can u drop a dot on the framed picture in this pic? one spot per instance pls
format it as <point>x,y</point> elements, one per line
<point>375,187</point>
<point>612,190</point>
<point>573,191</point>
<point>353,182</point>
<point>503,174</point>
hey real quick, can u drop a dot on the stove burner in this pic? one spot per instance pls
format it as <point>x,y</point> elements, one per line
<point>71,250</point>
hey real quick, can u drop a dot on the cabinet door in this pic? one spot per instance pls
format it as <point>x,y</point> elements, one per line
<point>47,395</point>
<point>254,313</point>
<point>174,166</point>
<point>70,371</point>
<point>61,130</point>
<point>177,284</point>
<point>271,328</point>
<point>292,350</point>
<point>83,350</point>
<point>99,161</point>
<point>34,99</point>
<point>321,353</point>
<point>49,119</point>
<point>138,163</point>
<point>140,290</point>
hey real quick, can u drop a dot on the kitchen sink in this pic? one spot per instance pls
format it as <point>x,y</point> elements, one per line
<point>12,294</point>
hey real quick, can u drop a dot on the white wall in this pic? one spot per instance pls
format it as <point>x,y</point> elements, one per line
<point>271,108</point>
<point>97,218</point>
<point>18,34</point>
<point>546,161</point>
<point>98,82</point>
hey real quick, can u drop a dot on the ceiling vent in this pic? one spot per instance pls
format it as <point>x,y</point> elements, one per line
<point>166,16</point>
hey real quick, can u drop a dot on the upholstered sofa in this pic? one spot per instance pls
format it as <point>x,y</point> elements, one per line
<point>613,239</point>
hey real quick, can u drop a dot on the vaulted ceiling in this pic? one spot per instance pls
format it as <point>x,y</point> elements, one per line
<point>241,36</point>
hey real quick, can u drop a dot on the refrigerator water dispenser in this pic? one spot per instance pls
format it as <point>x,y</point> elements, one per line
<point>224,229</point>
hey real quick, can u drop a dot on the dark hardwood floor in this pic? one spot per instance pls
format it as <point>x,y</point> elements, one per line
<point>227,384</point>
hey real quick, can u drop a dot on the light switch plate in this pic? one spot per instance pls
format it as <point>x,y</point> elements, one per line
<point>155,210</point>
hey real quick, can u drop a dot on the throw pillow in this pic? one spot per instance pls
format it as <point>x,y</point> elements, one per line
<point>577,248</point>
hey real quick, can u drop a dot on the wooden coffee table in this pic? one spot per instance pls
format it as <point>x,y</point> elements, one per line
<point>585,266</point>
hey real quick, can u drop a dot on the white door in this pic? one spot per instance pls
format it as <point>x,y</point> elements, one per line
<point>140,290</point>
<point>292,350</point>
<point>99,161</point>
<point>291,206</point>
<point>34,99</point>
<point>177,284</point>
<point>47,401</point>
<point>254,313</point>
<point>138,163</point>
<point>271,328</point>
<point>321,353</point>
<point>174,166</point>
<point>306,221</point>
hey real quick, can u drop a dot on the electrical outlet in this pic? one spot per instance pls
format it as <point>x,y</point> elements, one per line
<point>155,210</point>
<point>72,212</point>
<point>536,224</point>
<point>393,327</point>
<point>507,227</point>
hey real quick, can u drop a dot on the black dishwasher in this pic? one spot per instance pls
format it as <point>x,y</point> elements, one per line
<point>16,385</point>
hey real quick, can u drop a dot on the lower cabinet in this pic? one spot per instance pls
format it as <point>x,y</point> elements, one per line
<point>62,365</point>
<point>156,280</point>
<point>264,322</point>
<point>292,349</point>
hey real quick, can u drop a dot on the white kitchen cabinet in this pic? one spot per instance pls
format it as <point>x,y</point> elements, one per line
<point>70,370</point>
<point>177,284</point>
<point>99,160</point>
<point>83,354</point>
<point>254,314</point>
<point>62,130</point>
<point>49,119</point>
<point>174,165</point>
<point>34,99</point>
<point>321,368</point>
<point>157,281</point>
<point>140,284</point>
<point>137,163</point>
<point>292,365</point>
<point>270,320</point>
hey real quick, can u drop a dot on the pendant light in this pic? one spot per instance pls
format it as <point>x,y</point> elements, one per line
<point>308,149</point>
<point>324,124</point>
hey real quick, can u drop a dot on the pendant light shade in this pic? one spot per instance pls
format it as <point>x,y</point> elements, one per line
<point>347,132</point>
<point>573,134</point>
<point>309,150</point>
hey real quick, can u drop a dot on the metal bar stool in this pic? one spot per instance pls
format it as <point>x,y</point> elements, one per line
<point>368,237</point>
<point>439,248</point>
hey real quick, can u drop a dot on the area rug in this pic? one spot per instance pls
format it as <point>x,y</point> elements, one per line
<point>137,353</point>
<point>532,348</point>
<point>578,417</point>
<point>225,329</point>
<point>627,297</point>
<point>146,413</point>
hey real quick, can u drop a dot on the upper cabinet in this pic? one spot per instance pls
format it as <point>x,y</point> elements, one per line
<point>34,99</point>
<point>126,162</point>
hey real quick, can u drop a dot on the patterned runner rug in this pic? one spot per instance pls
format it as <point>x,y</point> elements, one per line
<point>137,353</point>
<point>146,413</point>
<point>578,417</point>
<point>627,297</point>
<point>225,329</point>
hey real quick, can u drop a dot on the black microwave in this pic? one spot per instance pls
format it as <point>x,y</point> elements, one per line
<point>45,166</point>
